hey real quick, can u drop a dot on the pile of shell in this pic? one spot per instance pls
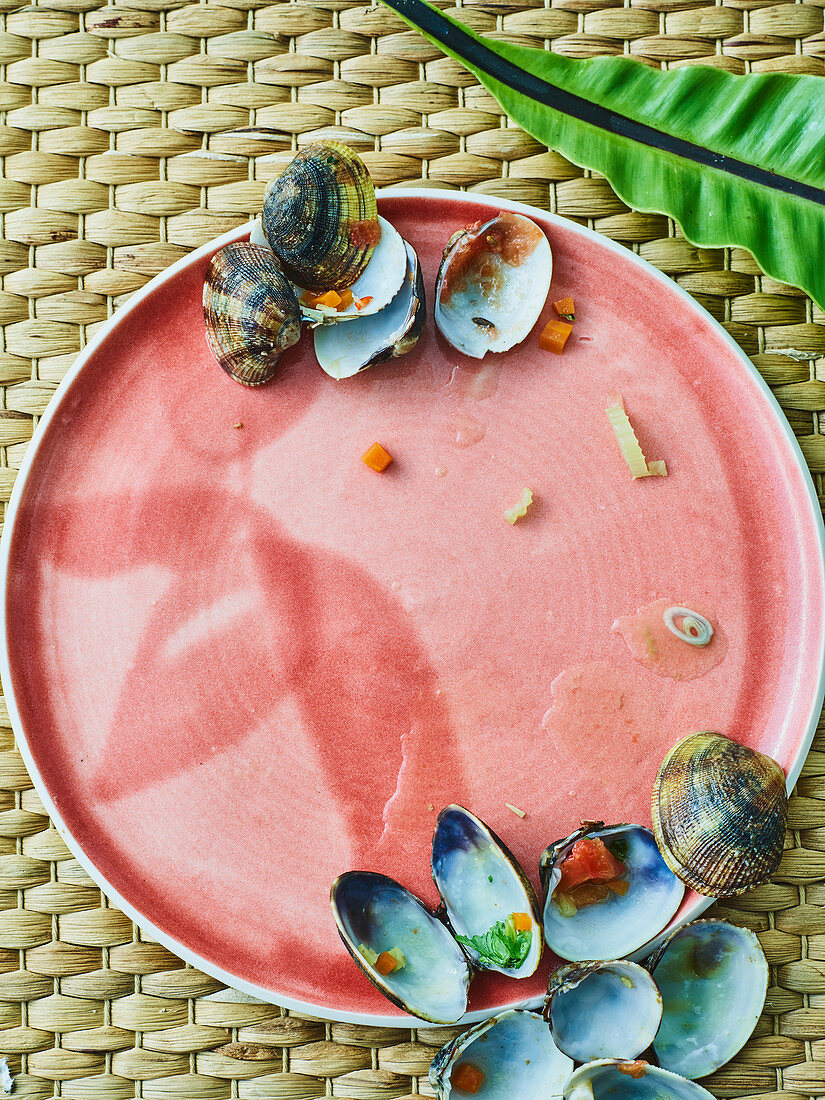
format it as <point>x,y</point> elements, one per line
<point>719,812</point>
<point>321,254</point>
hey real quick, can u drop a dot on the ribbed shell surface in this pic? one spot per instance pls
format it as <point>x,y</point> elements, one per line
<point>251,312</point>
<point>719,814</point>
<point>320,217</point>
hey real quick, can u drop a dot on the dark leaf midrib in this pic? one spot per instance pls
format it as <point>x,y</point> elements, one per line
<point>454,37</point>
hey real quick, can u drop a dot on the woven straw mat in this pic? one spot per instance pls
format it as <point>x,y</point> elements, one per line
<point>135,132</point>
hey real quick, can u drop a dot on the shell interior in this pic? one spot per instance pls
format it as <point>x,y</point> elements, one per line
<point>343,350</point>
<point>620,925</point>
<point>609,1079</point>
<point>492,284</point>
<point>719,813</point>
<point>515,1052</point>
<point>481,884</point>
<point>603,1010</point>
<point>380,914</point>
<point>713,978</point>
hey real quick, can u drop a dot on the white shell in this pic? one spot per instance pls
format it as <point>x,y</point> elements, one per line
<point>515,1052</point>
<point>376,911</point>
<point>603,1010</point>
<point>475,318</point>
<point>618,926</point>
<point>713,977</point>
<point>609,1079</point>
<point>481,884</point>
<point>344,350</point>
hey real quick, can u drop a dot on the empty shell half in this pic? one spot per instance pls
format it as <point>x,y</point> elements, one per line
<point>611,1079</point>
<point>345,349</point>
<point>492,284</point>
<point>719,814</point>
<point>603,1010</point>
<point>713,978</point>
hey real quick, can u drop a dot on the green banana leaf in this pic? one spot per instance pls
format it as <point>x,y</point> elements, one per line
<point>736,160</point>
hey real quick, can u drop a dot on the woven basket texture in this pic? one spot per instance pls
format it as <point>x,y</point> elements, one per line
<point>133,133</point>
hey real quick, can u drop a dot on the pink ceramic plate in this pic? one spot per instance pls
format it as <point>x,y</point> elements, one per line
<point>240,662</point>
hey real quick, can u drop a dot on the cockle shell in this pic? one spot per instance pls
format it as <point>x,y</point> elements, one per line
<point>251,312</point>
<point>719,814</point>
<point>320,217</point>
<point>713,978</point>
<point>603,1009</point>
<point>515,1052</point>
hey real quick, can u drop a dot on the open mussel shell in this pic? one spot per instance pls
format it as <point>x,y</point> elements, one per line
<point>344,350</point>
<point>603,1010</point>
<point>514,1051</point>
<point>720,810</point>
<point>373,911</point>
<point>250,310</point>
<point>482,885</point>
<point>611,1079</point>
<point>621,924</point>
<point>713,978</point>
<point>320,217</point>
<point>492,284</point>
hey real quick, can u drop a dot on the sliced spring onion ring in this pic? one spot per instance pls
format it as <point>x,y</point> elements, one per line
<point>629,445</point>
<point>695,628</point>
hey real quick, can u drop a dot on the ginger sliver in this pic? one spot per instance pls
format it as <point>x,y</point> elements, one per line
<point>629,445</point>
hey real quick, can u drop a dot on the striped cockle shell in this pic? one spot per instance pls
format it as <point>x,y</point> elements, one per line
<point>719,814</point>
<point>320,217</point>
<point>251,312</point>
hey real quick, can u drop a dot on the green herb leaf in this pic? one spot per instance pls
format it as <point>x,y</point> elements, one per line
<point>502,946</point>
<point>617,848</point>
<point>736,160</point>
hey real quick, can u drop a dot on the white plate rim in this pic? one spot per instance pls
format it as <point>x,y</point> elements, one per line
<point>249,990</point>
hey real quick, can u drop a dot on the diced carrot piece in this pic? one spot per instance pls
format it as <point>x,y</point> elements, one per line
<point>619,886</point>
<point>346,299</point>
<point>332,298</point>
<point>554,336</point>
<point>565,308</point>
<point>522,922</point>
<point>385,963</point>
<point>361,302</point>
<point>467,1077</point>
<point>377,458</point>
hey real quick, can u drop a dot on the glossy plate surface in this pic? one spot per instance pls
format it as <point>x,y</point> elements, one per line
<point>240,662</point>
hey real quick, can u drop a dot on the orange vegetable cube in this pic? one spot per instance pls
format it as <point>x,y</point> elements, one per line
<point>377,458</point>
<point>346,299</point>
<point>332,298</point>
<point>565,308</point>
<point>385,963</point>
<point>466,1077</point>
<point>554,336</point>
<point>522,922</point>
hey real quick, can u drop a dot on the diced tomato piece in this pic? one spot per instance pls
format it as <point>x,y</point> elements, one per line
<point>467,1077</point>
<point>522,922</point>
<point>588,861</point>
<point>385,964</point>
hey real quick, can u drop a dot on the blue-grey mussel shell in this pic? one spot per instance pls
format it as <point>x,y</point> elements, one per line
<point>320,217</point>
<point>251,312</point>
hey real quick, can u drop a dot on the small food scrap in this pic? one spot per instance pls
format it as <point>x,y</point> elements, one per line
<point>238,424</point>
<point>515,810</point>
<point>467,1078</point>
<point>565,309</point>
<point>554,336</point>
<point>368,953</point>
<point>377,458</point>
<point>589,874</point>
<point>362,303</point>
<point>390,961</point>
<point>629,445</point>
<point>633,1069</point>
<point>520,508</point>
<point>693,629</point>
<point>505,944</point>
